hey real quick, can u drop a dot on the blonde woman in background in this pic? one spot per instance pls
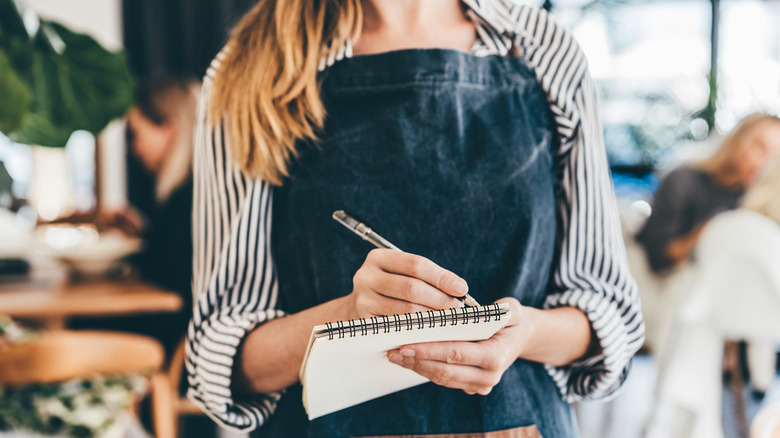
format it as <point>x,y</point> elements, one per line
<point>686,199</point>
<point>691,194</point>
<point>735,296</point>
<point>466,132</point>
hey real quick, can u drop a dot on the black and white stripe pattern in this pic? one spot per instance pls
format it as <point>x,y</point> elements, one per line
<point>235,285</point>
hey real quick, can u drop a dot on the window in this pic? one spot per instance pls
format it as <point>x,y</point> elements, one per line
<point>748,60</point>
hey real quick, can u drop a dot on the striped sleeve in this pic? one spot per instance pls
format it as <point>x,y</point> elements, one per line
<point>234,280</point>
<point>591,270</point>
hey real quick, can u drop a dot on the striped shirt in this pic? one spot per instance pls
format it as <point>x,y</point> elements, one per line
<point>234,279</point>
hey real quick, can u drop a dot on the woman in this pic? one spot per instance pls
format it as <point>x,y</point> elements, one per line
<point>690,195</point>
<point>465,132</point>
<point>735,295</point>
<point>160,130</point>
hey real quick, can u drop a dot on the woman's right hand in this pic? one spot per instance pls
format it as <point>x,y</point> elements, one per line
<point>388,283</point>
<point>126,219</point>
<point>393,282</point>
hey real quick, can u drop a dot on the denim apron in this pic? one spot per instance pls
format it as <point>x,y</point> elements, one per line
<point>449,156</point>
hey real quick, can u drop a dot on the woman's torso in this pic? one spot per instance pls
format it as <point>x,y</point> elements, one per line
<point>449,156</point>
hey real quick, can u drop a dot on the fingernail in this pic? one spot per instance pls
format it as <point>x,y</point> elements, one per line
<point>407,352</point>
<point>396,358</point>
<point>460,286</point>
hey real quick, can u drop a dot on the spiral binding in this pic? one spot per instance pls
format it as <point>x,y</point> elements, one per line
<point>412,321</point>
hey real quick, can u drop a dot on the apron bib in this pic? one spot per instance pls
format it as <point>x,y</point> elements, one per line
<point>449,156</point>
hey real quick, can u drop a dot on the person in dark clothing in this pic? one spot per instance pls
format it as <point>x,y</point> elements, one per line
<point>692,194</point>
<point>159,133</point>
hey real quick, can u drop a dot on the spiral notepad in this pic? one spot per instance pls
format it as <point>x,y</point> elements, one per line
<point>346,362</point>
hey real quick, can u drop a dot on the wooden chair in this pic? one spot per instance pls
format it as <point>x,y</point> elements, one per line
<point>180,405</point>
<point>62,355</point>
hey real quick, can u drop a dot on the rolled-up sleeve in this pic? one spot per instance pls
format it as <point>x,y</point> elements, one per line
<point>592,273</point>
<point>234,281</point>
<point>591,270</point>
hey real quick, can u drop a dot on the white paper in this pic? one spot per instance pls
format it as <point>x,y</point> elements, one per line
<point>342,372</point>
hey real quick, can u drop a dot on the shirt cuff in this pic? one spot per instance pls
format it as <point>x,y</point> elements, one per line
<point>620,333</point>
<point>211,351</point>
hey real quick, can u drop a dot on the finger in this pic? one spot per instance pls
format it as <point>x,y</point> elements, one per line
<point>468,378</point>
<point>383,305</point>
<point>412,290</point>
<point>517,311</point>
<point>477,354</point>
<point>412,265</point>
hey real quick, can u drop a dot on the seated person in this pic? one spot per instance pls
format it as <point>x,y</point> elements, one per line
<point>735,295</point>
<point>160,132</point>
<point>691,194</point>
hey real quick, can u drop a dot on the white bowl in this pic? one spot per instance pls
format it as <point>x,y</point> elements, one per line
<point>87,251</point>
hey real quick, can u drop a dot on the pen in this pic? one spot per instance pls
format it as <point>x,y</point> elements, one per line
<point>367,233</point>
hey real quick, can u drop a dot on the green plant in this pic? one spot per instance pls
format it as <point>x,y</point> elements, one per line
<point>54,81</point>
<point>86,408</point>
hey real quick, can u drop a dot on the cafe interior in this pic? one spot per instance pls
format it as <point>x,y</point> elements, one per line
<point>98,100</point>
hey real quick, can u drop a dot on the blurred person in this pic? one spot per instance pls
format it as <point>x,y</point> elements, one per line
<point>160,131</point>
<point>735,295</point>
<point>692,194</point>
<point>160,134</point>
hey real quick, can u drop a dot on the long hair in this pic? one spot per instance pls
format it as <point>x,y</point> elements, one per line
<point>722,162</point>
<point>265,92</point>
<point>764,197</point>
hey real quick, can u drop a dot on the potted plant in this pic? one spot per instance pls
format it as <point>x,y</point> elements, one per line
<point>54,81</point>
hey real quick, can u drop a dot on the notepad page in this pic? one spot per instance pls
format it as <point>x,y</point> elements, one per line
<point>343,372</point>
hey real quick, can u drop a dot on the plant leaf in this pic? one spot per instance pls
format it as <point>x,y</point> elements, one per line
<point>14,95</point>
<point>11,23</point>
<point>74,85</point>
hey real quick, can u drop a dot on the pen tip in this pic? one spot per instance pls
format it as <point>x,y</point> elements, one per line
<point>470,301</point>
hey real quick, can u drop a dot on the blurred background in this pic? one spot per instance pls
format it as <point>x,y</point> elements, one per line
<point>97,93</point>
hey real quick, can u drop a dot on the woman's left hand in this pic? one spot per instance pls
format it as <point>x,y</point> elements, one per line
<point>474,367</point>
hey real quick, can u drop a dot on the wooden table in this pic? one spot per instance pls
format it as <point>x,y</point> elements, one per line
<point>55,299</point>
<point>54,305</point>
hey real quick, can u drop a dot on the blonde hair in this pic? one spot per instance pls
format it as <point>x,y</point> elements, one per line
<point>721,163</point>
<point>266,91</point>
<point>764,197</point>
